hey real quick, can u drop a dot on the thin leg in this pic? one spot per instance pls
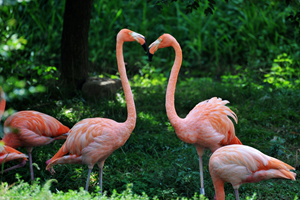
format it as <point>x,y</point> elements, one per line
<point>30,165</point>
<point>100,178</point>
<point>88,180</point>
<point>237,194</point>
<point>201,176</point>
<point>23,162</point>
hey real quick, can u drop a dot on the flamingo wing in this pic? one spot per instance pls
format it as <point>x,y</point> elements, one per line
<point>212,122</point>
<point>32,128</point>
<point>39,123</point>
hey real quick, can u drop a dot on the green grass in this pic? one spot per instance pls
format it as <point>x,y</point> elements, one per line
<point>154,160</point>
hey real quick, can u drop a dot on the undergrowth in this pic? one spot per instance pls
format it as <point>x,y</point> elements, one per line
<point>154,160</point>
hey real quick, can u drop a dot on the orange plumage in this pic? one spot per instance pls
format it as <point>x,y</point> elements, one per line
<point>29,129</point>
<point>92,140</point>
<point>8,154</point>
<point>238,164</point>
<point>207,125</point>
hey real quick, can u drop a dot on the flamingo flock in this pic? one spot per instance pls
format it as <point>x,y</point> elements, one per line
<point>91,141</point>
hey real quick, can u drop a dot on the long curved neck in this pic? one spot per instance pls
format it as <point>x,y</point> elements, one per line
<point>219,189</point>
<point>131,116</point>
<point>170,96</point>
<point>2,103</point>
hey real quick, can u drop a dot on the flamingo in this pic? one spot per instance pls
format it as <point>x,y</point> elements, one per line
<point>238,164</point>
<point>207,125</point>
<point>7,154</point>
<point>92,140</point>
<point>30,129</point>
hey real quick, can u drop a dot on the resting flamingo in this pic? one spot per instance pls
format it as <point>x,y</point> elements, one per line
<point>30,129</point>
<point>207,125</point>
<point>92,140</point>
<point>7,153</point>
<point>238,164</point>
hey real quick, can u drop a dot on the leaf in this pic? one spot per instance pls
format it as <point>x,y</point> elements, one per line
<point>289,17</point>
<point>208,11</point>
<point>295,23</point>
<point>288,2</point>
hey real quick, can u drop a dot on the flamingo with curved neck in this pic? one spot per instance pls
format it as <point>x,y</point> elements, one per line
<point>207,125</point>
<point>92,140</point>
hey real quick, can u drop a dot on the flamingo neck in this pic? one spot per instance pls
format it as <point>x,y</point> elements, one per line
<point>219,189</point>
<point>131,113</point>
<point>170,96</point>
<point>2,103</point>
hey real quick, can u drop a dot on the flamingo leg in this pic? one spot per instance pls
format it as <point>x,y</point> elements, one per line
<point>298,150</point>
<point>15,167</point>
<point>29,150</point>
<point>100,178</point>
<point>237,194</point>
<point>30,166</point>
<point>88,180</point>
<point>201,176</point>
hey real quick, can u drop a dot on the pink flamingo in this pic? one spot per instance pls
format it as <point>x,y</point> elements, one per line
<point>29,129</point>
<point>238,164</point>
<point>8,154</point>
<point>92,140</point>
<point>207,125</point>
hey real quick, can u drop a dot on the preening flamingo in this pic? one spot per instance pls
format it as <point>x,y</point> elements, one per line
<point>207,125</point>
<point>238,164</point>
<point>92,140</point>
<point>30,129</point>
<point>7,153</point>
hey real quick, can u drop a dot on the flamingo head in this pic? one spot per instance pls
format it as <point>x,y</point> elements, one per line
<point>127,35</point>
<point>165,40</point>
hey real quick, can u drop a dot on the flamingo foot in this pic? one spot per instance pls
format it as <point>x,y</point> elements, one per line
<point>51,170</point>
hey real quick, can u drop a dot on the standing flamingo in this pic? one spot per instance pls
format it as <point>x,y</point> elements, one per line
<point>92,140</point>
<point>30,129</point>
<point>7,153</point>
<point>238,164</point>
<point>207,125</point>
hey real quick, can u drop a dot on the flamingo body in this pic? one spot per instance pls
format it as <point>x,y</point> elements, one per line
<point>32,128</point>
<point>208,124</point>
<point>238,164</point>
<point>92,140</point>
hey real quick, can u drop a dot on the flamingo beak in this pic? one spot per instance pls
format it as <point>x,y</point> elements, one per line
<point>145,46</point>
<point>150,55</point>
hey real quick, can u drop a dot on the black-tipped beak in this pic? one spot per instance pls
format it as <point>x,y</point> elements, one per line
<point>150,55</point>
<point>145,46</point>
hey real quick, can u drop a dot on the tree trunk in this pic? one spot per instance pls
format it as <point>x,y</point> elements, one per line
<point>74,43</point>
